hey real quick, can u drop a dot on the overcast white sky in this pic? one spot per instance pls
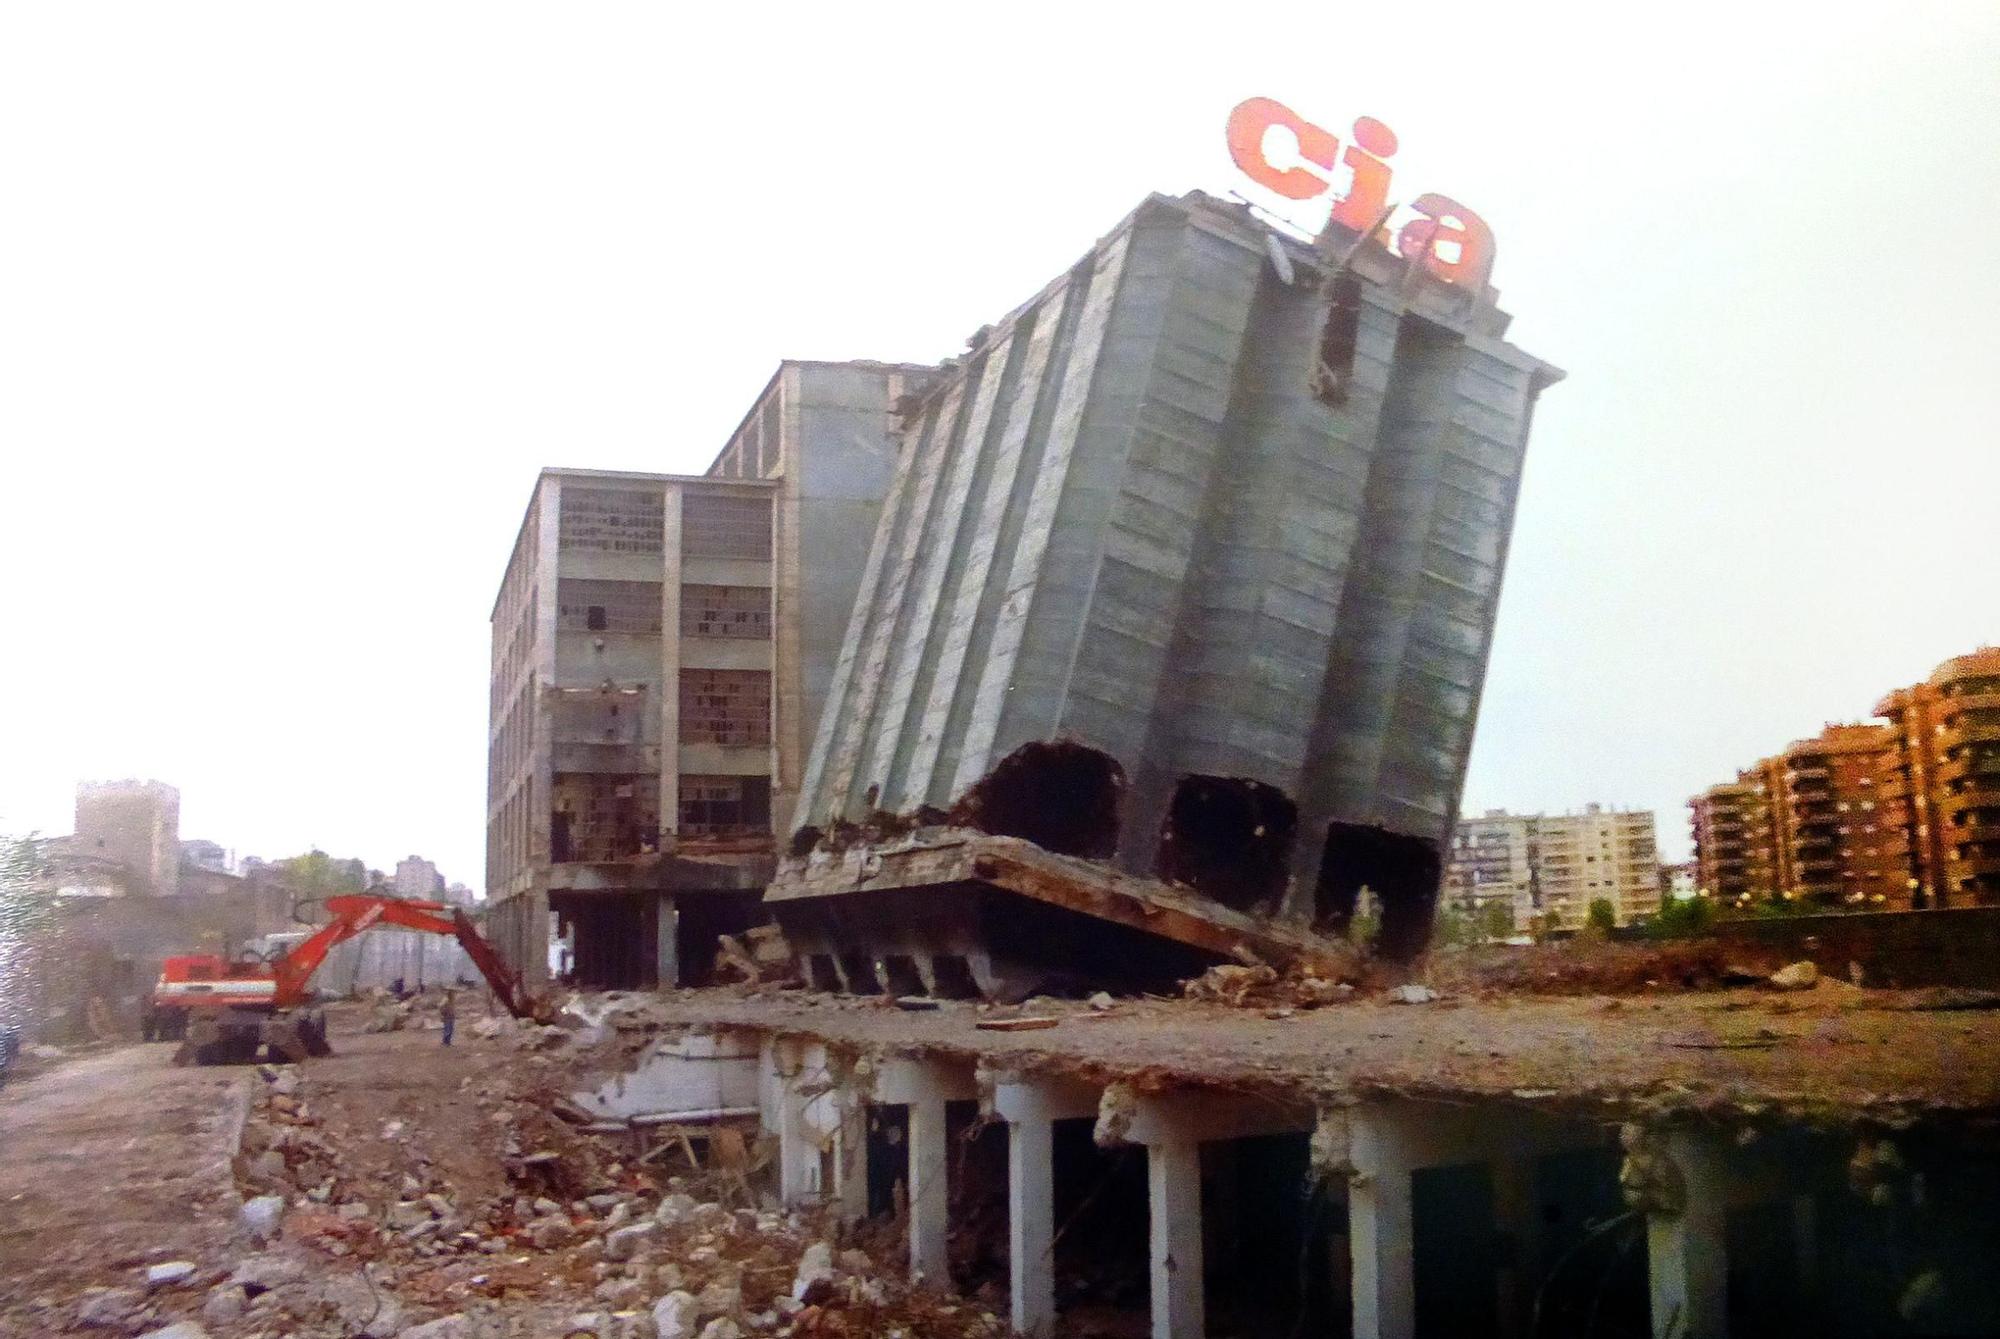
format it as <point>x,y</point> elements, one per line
<point>295,300</point>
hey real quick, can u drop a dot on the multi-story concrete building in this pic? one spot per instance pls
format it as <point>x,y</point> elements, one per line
<point>1900,816</point>
<point>1549,868</point>
<point>1229,512</point>
<point>661,647</point>
<point>135,825</point>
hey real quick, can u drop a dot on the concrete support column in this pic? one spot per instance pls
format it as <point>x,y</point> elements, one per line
<point>1031,1228</point>
<point>930,1191</point>
<point>1173,1206</point>
<point>784,1115</point>
<point>850,1157</point>
<point>1381,1227</point>
<point>667,943</point>
<point>925,1087</point>
<point>1031,1107</point>
<point>1686,1256</point>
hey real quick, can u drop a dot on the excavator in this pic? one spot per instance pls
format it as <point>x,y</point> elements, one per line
<point>230,1012</point>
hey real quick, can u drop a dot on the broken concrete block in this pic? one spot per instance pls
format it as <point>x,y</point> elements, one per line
<point>168,1274</point>
<point>721,1328</point>
<point>108,1308</point>
<point>258,1219</point>
<point>1798,976</point>
<point>1412,994</point>
<point>454,1326</point>
<point>256,1274</point>
<point>224,1305</point>
<point>814,1280</point>
<point>626,1242</point>
<point>185,1329</point>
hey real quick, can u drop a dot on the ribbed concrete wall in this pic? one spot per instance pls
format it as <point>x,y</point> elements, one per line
<point>1126,520</point>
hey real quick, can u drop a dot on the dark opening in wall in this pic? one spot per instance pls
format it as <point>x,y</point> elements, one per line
<point>1101,1263</point>
<point>1338,340</point>
<point>1230,839</point>
<point>616,937</point>
<point>1403,873</point>
<point>1062,796</point>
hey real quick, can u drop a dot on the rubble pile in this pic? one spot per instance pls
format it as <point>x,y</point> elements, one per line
<point>399,1231</point>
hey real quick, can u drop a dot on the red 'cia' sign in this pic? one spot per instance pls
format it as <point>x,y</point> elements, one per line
<point>1453,242</point>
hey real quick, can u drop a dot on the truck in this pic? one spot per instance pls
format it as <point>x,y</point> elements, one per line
<point>261,1005</point>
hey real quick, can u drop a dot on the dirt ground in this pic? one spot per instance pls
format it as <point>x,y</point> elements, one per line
<point>107,1163</point>
<point>423,1192</point>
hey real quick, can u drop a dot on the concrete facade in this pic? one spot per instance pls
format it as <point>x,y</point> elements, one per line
<point>1213,505</point>
<point>661,644</point>
<point>1548,868</point>
<point>135,824</point>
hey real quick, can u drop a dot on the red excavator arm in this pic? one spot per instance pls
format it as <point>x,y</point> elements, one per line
<point>349,914</point>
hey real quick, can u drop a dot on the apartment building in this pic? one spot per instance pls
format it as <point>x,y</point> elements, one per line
<point>661,647</point>
<point>1946,775</point>
<point>1548,868</point>
<point>1897,816</point>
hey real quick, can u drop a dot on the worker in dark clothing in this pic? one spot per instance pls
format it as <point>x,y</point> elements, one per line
<point>449,1013</point>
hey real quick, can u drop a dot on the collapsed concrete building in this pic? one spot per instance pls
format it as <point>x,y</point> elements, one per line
<point>1683,1164</point>
<point>661,645</point>
<point>1189,567</point>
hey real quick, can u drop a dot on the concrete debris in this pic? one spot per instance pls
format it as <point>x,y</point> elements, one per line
<point>185,1329</point>
<point>1116,1110</point>
<point>108,1308</point>
<point>813,1283</point>
<point>259,1218</point>
<point>1412,994</point>
<point>455,1326</point>
<point>626,1242</point>
<point>169,1274</point>
<point>1798,976</point>
<point>675,1316</point>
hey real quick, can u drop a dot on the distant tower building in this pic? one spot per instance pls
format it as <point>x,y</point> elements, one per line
<point>417,877</point>
<point>138,825</point>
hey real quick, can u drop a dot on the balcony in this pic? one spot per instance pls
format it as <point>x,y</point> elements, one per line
<point>1955,704</point>
<point>1971,732</point>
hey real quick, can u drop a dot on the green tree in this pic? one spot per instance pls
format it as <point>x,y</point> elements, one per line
<point>1682,917</point>
<point>1603,915</point>
<point>317,874</point>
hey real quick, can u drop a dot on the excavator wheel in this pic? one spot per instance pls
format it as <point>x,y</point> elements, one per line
<point>313,1029</point>
<point>292,1038</point>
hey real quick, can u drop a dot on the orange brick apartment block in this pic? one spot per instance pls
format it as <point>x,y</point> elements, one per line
<point>1902,815</point>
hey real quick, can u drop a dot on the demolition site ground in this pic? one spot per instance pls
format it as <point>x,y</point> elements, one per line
<point>404,1190</point>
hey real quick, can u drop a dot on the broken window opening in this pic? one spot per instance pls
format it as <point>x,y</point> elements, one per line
<point>726,611</point>
<point>725,525</point>
<point>614,936</point>
<point>1339,338</point>
<point>1403,873</point>
<point>724,806</point>
<point>603,816</point>
<point>1230,839</point>
<point>727,707</point>
<point>1062,796</point>
<point>593,618</point>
